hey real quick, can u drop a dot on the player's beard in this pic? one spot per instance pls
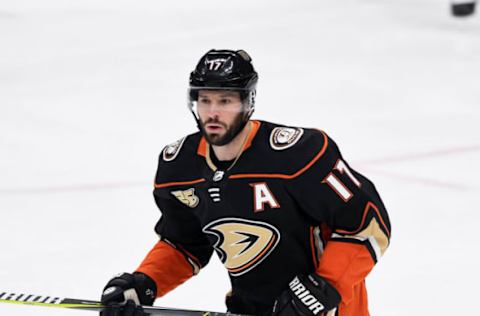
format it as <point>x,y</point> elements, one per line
<point>230,131</point>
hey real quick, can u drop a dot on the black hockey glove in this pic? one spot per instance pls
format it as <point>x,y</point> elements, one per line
<point>124,294</point>
<point>236,304</point>
<point>307,296</point>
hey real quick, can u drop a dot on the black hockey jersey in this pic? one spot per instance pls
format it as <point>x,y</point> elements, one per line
<point>289,205</point>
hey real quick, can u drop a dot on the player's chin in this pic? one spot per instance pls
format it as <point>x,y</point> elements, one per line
<point>217,139</point>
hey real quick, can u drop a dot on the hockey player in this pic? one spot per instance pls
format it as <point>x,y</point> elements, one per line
<point>295,226</point>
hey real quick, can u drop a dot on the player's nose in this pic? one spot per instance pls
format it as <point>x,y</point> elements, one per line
<point>214,109</point>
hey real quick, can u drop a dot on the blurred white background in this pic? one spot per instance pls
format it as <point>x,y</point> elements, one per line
<point>91,91</point>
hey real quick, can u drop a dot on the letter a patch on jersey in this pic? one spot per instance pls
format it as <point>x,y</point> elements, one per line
<point>261,196</point>
<point>187,197</point>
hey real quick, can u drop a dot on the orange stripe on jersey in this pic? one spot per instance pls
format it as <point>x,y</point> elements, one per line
<point>253,132</point>
<point>365,212</point>
<point>345,266</point>
<point>286,176</point>
<point>169,184</point>
<point>312,247</point>
<point>166,266</point>
<point>202,146</point>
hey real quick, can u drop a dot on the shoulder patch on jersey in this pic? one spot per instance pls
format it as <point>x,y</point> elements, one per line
<point>285,137</point>
<point>171,151</point>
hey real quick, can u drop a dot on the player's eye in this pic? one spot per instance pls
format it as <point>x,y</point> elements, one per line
<point>203,100</point>
<point>225,101</point>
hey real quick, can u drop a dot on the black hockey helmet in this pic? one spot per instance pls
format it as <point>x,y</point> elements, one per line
<point>224,70</point>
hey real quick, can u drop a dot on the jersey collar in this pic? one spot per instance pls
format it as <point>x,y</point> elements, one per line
<point>203,147</point>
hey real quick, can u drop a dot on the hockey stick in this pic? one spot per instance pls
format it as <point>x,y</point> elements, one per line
<point>51,301</point>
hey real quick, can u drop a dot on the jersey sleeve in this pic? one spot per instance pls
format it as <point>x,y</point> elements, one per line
<point>182,250</point>
<point>330,192</point>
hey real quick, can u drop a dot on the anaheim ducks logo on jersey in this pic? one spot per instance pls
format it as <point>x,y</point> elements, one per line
<point>285,137</point>
<point>242,244</point>
<point>187,197</point>
<point>171,151</point>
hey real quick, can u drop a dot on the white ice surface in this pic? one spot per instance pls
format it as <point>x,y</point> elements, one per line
<point>90,91</point>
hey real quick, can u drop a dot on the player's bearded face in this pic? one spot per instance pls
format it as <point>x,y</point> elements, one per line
<point>221,115</point>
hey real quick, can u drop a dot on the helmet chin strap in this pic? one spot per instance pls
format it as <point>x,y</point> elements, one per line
<point>197,119</point>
